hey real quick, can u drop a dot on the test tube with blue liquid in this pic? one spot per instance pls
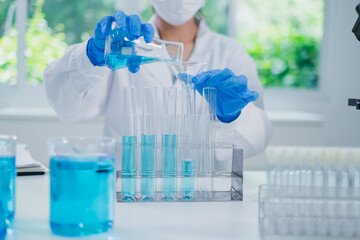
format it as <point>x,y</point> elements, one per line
<point>82,179</point>
<point>148,144</point>
<point>169,145</point>
<point>129,143</point>
<point>7,177</point>
<point>187,150</point>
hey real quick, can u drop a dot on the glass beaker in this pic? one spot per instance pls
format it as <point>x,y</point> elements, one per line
<point>7,175</point>
<point>82,179</point>
<point>120,52</point>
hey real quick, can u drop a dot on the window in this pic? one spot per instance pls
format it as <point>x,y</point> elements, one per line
<point>284,39</point>
<point>8,43</point>
<point>285,49</point>
<point>51,27</point>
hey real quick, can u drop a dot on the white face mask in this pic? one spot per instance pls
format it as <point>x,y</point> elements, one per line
<point>177,12</point>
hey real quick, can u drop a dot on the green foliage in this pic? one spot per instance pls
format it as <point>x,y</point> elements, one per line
<point>287,62</point>
<point>285,43</point>
<point>4,6</point>
<point>215,14</point>
<point>77,19</point>
<point>8,58</point>
<point>283,36</point>
<point>43,46</point>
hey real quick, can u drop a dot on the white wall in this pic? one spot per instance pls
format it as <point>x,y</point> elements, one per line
<point>342,126</point>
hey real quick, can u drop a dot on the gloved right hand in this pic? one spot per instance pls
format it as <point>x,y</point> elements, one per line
<point>132,27</point>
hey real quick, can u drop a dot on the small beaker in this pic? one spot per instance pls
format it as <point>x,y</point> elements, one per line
<point>82,179</point>
<point>7,176</point>
<point>120,52</point>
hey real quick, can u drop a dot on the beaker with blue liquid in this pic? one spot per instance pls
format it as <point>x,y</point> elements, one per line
<point>120,52</point>
<point>82,179</point>
<point>7,176</point>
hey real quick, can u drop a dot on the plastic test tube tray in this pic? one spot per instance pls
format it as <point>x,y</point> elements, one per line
<point>312,212</point>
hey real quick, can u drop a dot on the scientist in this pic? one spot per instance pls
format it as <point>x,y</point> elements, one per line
<point>78,87</point>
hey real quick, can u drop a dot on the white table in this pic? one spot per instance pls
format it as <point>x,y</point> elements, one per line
<point>158,220</point>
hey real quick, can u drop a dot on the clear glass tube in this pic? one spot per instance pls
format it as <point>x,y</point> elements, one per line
<point>129,142</point>
<point>120,52</point>
<point>169,144</point>
<point>148,144</point>
<point>207,121</point>
<point>7,177</point>
<point>82,179</point>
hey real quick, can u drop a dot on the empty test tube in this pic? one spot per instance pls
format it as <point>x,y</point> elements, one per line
<point>148,144</point>
<point>169,144</point>
<point>128,183</point>
<point>208,116</point>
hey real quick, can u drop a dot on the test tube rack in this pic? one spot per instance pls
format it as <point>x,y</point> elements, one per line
<point>223,184</point>
<point>311,192</point>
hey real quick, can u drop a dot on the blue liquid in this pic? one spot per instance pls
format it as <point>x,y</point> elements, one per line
<point>81,195</point>
<point>147,166</point>
<point>168,165</point>
<point>7,186</point>
<point>128,181</point>
<point>3,225</point>
<point>114,61</point>
<point>187,180</point>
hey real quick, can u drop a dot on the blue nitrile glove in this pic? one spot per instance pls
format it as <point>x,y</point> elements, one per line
<point>232,92</point>
<point>132,27</point>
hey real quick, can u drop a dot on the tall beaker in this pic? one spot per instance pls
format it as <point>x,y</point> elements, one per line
<point>82,179</point>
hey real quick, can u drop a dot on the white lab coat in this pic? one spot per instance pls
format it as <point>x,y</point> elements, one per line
<point>79,91</point>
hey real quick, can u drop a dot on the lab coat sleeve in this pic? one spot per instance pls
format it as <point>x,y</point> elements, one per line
<point>75,88</point>
<point>252,130</point>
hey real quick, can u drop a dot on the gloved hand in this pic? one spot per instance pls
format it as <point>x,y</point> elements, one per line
<point>232,92</point>
<point>131,26</point>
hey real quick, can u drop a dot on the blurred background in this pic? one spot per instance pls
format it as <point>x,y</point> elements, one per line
<point>306,55</point>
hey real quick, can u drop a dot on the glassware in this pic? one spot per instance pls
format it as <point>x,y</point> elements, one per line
<point>81,185</point>
<point>120,52</point>
<point>148,144</point>
<point>169,145</point>
<point>129,141</point>
<point>185,71</point>
<point>7,175</point>
<point>3,225</point>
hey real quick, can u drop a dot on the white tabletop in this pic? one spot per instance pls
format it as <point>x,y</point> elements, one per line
<point>157,220</point>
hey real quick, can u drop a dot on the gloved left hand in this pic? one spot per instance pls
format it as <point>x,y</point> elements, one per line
<point>232,92</point>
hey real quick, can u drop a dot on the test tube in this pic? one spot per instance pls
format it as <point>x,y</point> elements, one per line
<point>169,144</point>
<point>129,142</point>
<point>148,144</point>
<point>187,151</point>
<point>208,114</point>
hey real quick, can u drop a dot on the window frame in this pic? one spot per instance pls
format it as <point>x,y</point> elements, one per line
<point>26,95</point>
